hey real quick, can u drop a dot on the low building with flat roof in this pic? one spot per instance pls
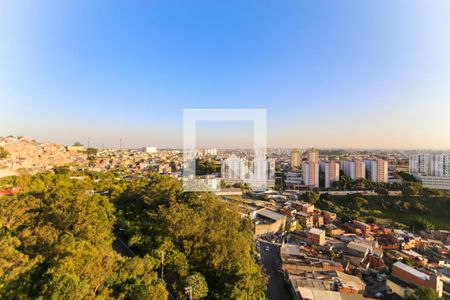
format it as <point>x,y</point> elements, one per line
<point>403,276</point>
<point>316,236</point>
<point>268,221</point>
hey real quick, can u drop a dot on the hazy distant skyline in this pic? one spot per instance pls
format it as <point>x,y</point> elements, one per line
<point>347,74</point>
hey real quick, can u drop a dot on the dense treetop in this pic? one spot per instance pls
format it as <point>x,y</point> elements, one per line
<point>57,240</point>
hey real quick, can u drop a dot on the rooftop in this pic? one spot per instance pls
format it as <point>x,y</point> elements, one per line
<point>360,247</point>
<point>411,271</point>
<point>270,214</point>
<point>316,231</point>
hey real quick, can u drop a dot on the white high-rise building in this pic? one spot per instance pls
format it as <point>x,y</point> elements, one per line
<point>377,170</point>
<point>256,170</point>
<point>310,172</point>
<point>262,169</point>
<point>433,169</point>
<point>331,170</point>
<point>234,168</point>
<point>430,164</point>
<point>354,168</point>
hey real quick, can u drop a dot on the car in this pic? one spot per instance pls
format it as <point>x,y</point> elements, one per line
<point>267,248</point>
<point>381,277</point>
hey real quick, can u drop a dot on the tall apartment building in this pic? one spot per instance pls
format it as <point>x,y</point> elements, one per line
<point>377,170</point>
<point>313,155</point>
<point>354,168</point>
<point>238,168</point>
<point>430,164</point>
<point>262,169</point>
<point>310,172</point>
<point>234,168</point>
<point>433,169</point>
<point>331,170</point>
<point>296,159</point>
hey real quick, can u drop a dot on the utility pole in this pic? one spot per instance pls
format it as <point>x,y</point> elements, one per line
<point>120,144</point>
<point>88,142</point>
<point>188,290</point>
<point>162,264</point>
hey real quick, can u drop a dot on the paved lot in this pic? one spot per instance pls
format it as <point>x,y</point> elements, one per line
<point>373,286</point>
<point>276,289</point>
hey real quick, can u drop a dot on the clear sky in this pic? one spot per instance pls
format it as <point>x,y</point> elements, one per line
<point>330,73</point>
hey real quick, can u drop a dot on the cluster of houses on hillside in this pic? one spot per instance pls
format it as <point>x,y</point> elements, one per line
<point>326,259</point>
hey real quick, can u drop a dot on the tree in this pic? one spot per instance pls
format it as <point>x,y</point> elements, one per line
<point>407,177</point>
<point>371,220</point>
<point>205,166</point>
<point>423,293</point>
<point>3,153</point>
<point>56,239</point>
<point>411,189</point>
<point>136,278</point>
<point>91,151</point>
<point>197,285</point>
<point>77,144</point>
<point>311,197</point>
<point>359,202</point>
<point>420,224</point>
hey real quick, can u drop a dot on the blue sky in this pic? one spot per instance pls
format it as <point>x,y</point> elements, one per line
<point>329,73</point>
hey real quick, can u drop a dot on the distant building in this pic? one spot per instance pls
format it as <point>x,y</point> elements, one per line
<point>258,171</point>
<point>233,168</point>
<point>433,169</point>
<point>430,164</point>
<point>313,155</point>
<point>331,170</point>
<point>310,172</point>
<point>296,159</point>
<point>149,149</point>
<point>262,169</point>
<point>354,168</point>
<point>377,170</point>
<point>434,182</point>
<point>75,148</point>
<point>293,179</point>
<point>209,151</point>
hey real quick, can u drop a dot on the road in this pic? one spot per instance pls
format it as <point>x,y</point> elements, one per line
<point>276,288</point>
<point>122,248</point>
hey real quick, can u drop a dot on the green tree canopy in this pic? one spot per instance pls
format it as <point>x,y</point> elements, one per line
<point>3,153</point>
<point>197,285</point>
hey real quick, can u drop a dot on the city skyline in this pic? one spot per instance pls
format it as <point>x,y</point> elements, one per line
<point>340,75</point>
